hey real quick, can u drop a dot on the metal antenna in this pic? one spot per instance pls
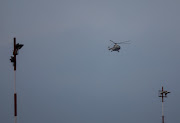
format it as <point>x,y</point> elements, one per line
<point>13,60</point>
<point>163,94</point>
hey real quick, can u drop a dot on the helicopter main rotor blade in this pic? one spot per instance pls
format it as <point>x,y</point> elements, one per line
<point>113,42</point>
<point>124,42</point>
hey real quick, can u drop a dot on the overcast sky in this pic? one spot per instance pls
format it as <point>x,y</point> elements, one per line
<point>65,72</point>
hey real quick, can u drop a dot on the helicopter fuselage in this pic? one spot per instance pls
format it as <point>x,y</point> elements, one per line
<point>116,47</point>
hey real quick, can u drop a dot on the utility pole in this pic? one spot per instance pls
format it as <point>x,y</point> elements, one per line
<point>13,60</point>
<point>163,94</point>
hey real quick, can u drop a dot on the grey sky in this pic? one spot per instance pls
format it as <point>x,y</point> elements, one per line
<point>65,72</point>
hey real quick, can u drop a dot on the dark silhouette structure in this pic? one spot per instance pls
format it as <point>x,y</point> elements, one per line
<point>163,94</point>
<point>13,60</point>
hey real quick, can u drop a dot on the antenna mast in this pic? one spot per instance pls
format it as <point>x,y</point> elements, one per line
<point>163,94</point>
<point>13,60</point>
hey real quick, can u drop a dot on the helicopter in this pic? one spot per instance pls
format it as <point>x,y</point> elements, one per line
<point>116,47</point>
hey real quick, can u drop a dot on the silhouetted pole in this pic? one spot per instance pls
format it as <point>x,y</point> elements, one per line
<point>162,106</point>
<point>13,60</point>
<point>163,94</point>
<point>15,94</point>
